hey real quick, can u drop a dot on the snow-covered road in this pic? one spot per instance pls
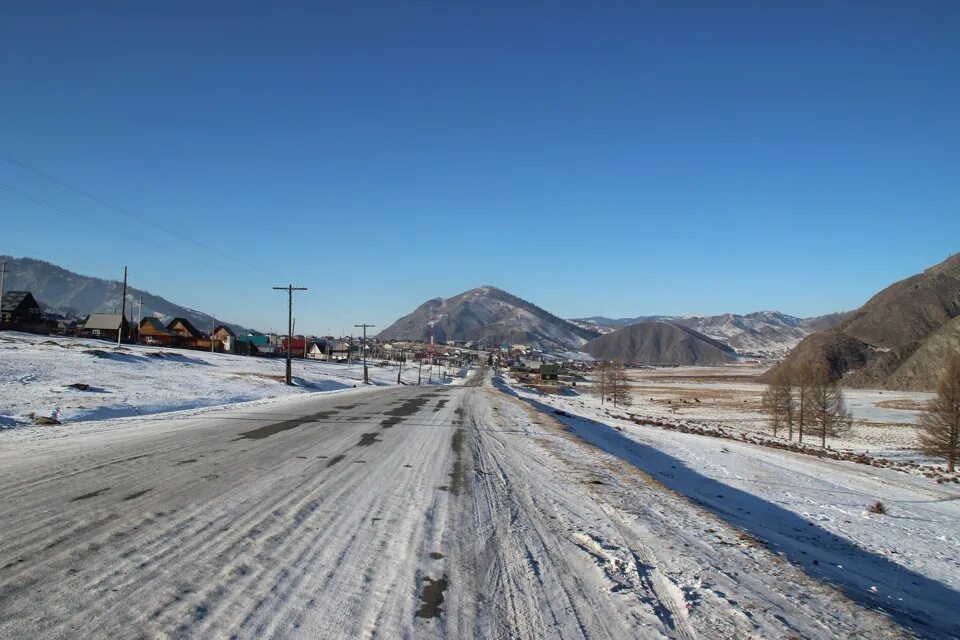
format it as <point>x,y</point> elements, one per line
<point>396,512</point>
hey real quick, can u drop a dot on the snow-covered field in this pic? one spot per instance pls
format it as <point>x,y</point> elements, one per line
<point>36,373</point>
<point>729,397</point>
<point>811,511</point>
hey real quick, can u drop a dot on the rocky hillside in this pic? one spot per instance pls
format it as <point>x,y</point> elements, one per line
<point>490,316</point>
<point>76,296</point>
<point>899,339</point>
<point>761,332</point>
<point>660,343</point>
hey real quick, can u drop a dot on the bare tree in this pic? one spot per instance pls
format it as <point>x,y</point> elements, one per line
<point>801,378</point>
<point>940,420</point>
<point>779,403</point>
<point>601,383</point>
<point>829,415</point>
<point>618,382</point>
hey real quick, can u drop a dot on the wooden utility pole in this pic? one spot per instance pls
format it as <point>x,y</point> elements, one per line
<point>3,272</point>
<point>400,368</point>
<point>123,308</point>
<point>213,329</point>
<point>290,289</point>
<point>364,347</point>
<point>139,317</point>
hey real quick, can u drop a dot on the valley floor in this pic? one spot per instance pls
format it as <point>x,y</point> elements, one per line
<point>440,512</point>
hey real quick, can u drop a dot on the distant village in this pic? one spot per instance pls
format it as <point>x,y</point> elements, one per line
<point>20,311</point>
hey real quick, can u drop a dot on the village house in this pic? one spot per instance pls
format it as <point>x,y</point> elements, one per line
<point>152,331</point>
<point>106,326</point>
<point>19,310</point>
<point>224,339</point>
<point>187,335</point>
<point>254,345</point>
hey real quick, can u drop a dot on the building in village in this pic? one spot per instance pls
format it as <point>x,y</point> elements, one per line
<point>254,345</point>
<point>106,326</point>
<point>20,310</point>
<point>224,340</point>
<point>187,335</point>
<point>153,331</point>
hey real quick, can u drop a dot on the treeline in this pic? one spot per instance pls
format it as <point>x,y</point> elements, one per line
<point>806,400</point>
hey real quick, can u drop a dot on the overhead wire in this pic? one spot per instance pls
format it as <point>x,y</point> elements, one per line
<point>127,212</point>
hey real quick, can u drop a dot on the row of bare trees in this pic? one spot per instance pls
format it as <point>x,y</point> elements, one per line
<point>805,400</point>
<point>610,383</point>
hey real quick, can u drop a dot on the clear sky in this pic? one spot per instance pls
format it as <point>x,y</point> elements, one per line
<point>614,158</point>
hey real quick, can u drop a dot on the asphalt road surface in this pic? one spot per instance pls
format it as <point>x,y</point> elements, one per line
<point>400,512</point>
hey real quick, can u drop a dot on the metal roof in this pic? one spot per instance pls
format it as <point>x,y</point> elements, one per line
<point>13,299</point>
<point>104,321</point>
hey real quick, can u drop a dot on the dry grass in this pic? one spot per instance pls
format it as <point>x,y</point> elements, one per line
<point>903,403</point>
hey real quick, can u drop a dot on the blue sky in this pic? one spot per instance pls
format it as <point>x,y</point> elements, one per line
<point>613,158</point>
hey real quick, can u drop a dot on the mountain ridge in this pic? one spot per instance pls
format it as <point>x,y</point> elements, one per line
<point>75,295</point>
<point>491,315</point>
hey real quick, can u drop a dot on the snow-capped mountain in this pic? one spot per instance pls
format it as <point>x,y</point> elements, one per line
<point>491,316</point>
<point>761,332</point>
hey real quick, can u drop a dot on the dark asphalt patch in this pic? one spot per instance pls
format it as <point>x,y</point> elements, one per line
<point>92,494</point>
<point>367,439</point>
<point>432,597</point>
<point>134,496</point>
<point>440,405</point>
<point>334,460</point>
<point>458,477</point>
<point>406,409</point>
<point>436,555</point>
<point>278,427</point>
<point>190,461</point>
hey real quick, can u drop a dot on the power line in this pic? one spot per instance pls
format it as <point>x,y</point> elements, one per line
<point>128,212</point>
<point>101,225</point>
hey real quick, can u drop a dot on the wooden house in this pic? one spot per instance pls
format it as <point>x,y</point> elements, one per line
<point>19,310</point>
<point>106,326</point>
<point>187,335</point>
<point>152,331</point>
<point>224,339</point>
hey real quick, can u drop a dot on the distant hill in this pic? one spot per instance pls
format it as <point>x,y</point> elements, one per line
<point>491,316</point>
<point>899,339</point>
<point>761,332</point>
<point>76,296</point>
<point>660,343</point>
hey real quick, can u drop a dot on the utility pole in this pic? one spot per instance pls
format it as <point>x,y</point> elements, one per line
<point>139,317</point>
<point>290,289</point>
<point>213,329</point>
<point>364,347</point>
<point>123,308</point>
<point>400,368</point>
<point>3,272</point>
<point>419,373</point>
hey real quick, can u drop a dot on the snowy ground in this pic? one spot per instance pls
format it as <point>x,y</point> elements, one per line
<point>884,421</point>
<point>36,371</point>
<point>810,511</point>
<point>403,512</point>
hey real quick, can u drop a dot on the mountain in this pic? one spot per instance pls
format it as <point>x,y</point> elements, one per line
<point>660,343</point>
<point>491,316</point>
<point>899,339</point>
<point>76,296</point>
<point>762,332</point>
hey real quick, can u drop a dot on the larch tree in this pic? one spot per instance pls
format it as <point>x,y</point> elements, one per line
<point>779,403</point>
<point>801,378</point>
<point>828,413</point>
<point>940,420</point>
<point>601,383</point>
<point>619,388</point>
